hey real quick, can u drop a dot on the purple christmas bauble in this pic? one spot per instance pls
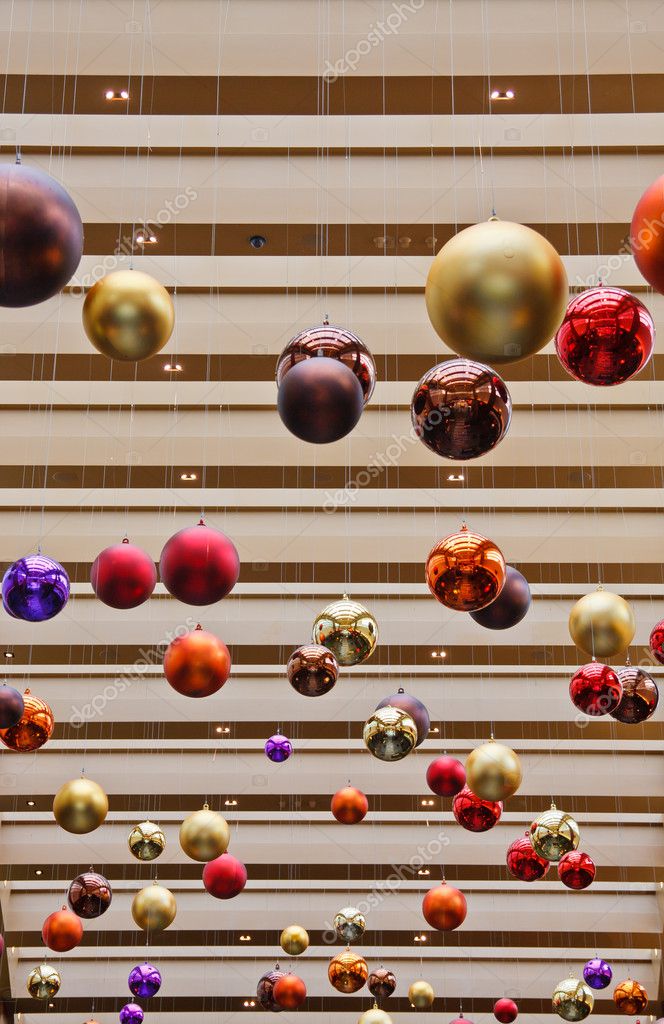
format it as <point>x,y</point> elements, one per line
<point>131,1013</point>
<point>278,748</point>
<point>35,588</point>
<point>597,973</point>
<point>12,706</point>
<point>144,980</point>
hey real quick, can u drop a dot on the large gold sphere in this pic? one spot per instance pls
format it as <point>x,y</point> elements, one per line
<point>154,908</point>
<point>375,1016</point>
<point>43,982</point>
<point>127,315</point>
<point>572,999</point>
<point>347,971</point>
<point>389,733</point>
<point>348,630</point>
<point>146,841</point>
<point>497,292</point>
<point>349,924</point>
<point>554,834</point>
<point>421,995</point>
<point>204,835</point>
<point>602,624</point>
<point>80,806</point>
<point>493,771</point>
<point>294,939</point>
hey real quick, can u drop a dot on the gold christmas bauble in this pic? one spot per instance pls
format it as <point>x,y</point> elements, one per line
<point>420,995</point>
<point>375,1016</point>
<point>497,292</point>
<point>294,939</point>
<point>204,835</point>
<point>43,982</point>
<point>154,908</point>
<point>127,315</point>
<point>146,841</point>
<point>347,629</point>
<point>347,971</point>
<point>389,733</point>
<point>554,834</point>
<point>493,771</point>
<point>349,924</point>
<point>80,806</point>
<point>572,999</point>
<point>602,624</point>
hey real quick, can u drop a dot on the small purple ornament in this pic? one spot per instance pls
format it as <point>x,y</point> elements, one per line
<point>131,1013</point>
<point>278,748</point>
<point>12,706</point>
<point>144,980</point>
<point>35,588</point>
<point>597,973</point>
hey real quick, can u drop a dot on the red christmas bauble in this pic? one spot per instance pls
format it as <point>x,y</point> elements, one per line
<point>595,689</point>
<point>576,870</point>
<point>647,234</point>
<point>446,776</point>
<point>606,337</point>
<point>349,805</point>
<point>640,696</point>
<point>523,861</point>
<point>123,576</point>
<point>197,664</point>
<point>62,930</point>
<point>289,992</point>
<point>224,877</point>
<point>444,907</point>
<point>199,565</point>
<point>657,641</point>
<point>475,814</point>
<point>505,1010</point>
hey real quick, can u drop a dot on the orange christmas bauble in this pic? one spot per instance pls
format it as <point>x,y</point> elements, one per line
<point>62,930</point>
<point>289,992</point>
<point>349,805</point>
<point>465,571</point>
<point>348,971</point>
<point>646,235</point>
<point>34,727</point>
<point>197,664</point>
<point>444,907</point>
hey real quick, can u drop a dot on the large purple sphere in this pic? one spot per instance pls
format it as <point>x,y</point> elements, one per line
<point>278,748</point>
<point>12,706</point>
<point>597,973</point>
<point>144,981</point>
<point>35,588</point>
<point>131,1013</point>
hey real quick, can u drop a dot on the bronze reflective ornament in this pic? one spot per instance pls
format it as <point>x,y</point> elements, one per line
<point>465,571</point>
<point>320,400</point>
<point>348,630</point>
<point>348,971</point>
<point>602,624</point>
<point>349,924</point>
<point>461,409</point>
<point>154,908</point>
<point>497,292</point>
<point>421,995</point>
<point>375,1016</point>
<point>554,834</point>
<point>204,835</point>
<point>146,841</point>
<point>34,727</point>
<point>80,806</point>
<point>640,696</point>
<point>381,984</point>
<point>572,999</point>
<point>294,939</point>
<point>312,670</point>
<point>335,343</point>
<point>493,771</point>
<point>630,997</point>
<point>127,315</point>
<point>43,982</point>
<point>389,734</point>
<point>90,895</point>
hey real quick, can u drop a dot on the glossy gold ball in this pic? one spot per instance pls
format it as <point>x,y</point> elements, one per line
<point>497,292</point>
<point>602,624</point>
<point>294,939</point>
<point>347,629</point>
<point>421,995</point>
<point>347,971</point>
<point>204,835</point>
<point>43,982</point>
<point>389,734</point>
<point>572,999</point>
<point>554,834</point>
<point>349,924</point>
<point>146,841</point>
<point>493,771</point>
<point>127,315</point>
<point>375,1016</point>
<point>80,806</point>
<point>154,908</point>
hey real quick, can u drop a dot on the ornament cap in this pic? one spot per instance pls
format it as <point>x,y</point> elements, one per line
<point>125,539</point>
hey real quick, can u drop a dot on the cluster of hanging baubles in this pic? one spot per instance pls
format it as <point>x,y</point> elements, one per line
<point>573,998</point>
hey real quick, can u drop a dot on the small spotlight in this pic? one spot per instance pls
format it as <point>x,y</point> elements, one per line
<point>424,871</point>
<point>188,476</point>
<point>230,803</point>
<point>145,237</point>
<point>427,803</point>
<point>9,655</point>
<point>420,938</point>
<point>224,729</point>
<point>51,1005</point>
<point>30,803</point>
<point>435,729</point>
<point>39,871</point>
<point>502,94</point>
<point>116,94</point>
<point>249,1002</point>
<point>456,478</point>
<point>434,654</point>
<point>442,654</point>
<point>245,938</point>
<point>172,367</point>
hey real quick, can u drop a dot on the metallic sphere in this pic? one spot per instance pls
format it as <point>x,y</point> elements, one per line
<point>154,908</point>
<point>128,315</point>
<point>389,734</point>
<point>349,924</point>
<point>80,806</point>
<point>320,400</point>
<point>554,834</point>
<point>347,629</point>
<point>572,999</point>
<point>602,624</point>
<point>465,571</point>
<point>146,841</point>
<point>493,771</point>
<point>347,971</point>
<point>312,670</point>
<point>334,343</point>
<point>511,605</point>
<point>204,835</point>
<point>294,939</point>
<point>43,982</point>
<point>421,995</point>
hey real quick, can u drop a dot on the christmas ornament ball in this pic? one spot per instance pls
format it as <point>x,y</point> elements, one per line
<point>12,706</point>
<point>197,664</point>
<point>43,982</point>
<point>657,641</point>
<point>349,924</point>
<point>349,805</point>
<point>576,870</point>
<point>347,629</point>
<point>320,400</point>
<point>446,776</point>
<point>62,930</point>
<point>278,748</point>
<point>640,696</point>
<point>375,1016</point>
<point>475,814</point>
<point>128,315</point>
<point>131,1013</point>
<point>146,841</point>
<point>347,971</point>
<point>413,707</point>
<point>294,939</point>
<point>630,997</point>
<point>312,670</point>
<point>646,242</point>
<point>597,973</point>
<point>493,771</point>
<point>35,588</point>
<point>465,571</point>
<point>389,734</point>
<point>505,1011</point>
<point>265,989</point>
<point>523,861</point>
<point>554,834</point>
<point>80,806</point>
<point>153,908</point>
<point>204,835</point>
<point>381,983</point>
<point>602,624</point>
<point>572,999</point>
<point>123,576</point>
<point>199,565</point>
<point>144,981</point>
<point>444,907</point>
<point>224,877</point>
<point>421,995</point>
<point>34,727</point>
<point>511,605</point>
<point>89,895</point>
<point>289,992</point>
<point>332,342</point>
<point>595,689</point>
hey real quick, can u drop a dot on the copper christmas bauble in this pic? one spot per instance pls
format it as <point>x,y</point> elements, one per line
<point>446,776</point>
<point>146,841</point>
<point>347,971</point>
<point>602,624</point>
<point>128,315</point>
<point>461,409</point>
<point>349,924</point>
<point>334,343</point>
<point>554,834</point>
<point>153,908</point>
<point>493,771</point>
<point>204,835</point>
<point>389,734</point>
<point>646,236</point>
<point>34,727</point>
<point>640,696</point>
<point>43,982</point>
<point>265,989</point>
<point>123,575</point>
<point>197,664</point>
<point>572,999</point>
<point>320,400</point>
<point>80,806</point>
<point>312,670</point>
<point>62,931</point>
<point>421,995</point>
<point>595,689</point>
<point>349,805</point>
<point>199,565</point>
<point>630,997</point>
<point>496,292</point>
<point>444,907</point>
<point>289,992</point>
<point>413,707</point>
<point>505,1011</point>
<point>511,605</point>
<point>348,630</point>
<point>375,1016</point>
<point>523,861</point>
<point>576,870</point>
<point>294,939</point>
<point>465,571</point>
<point>657,642</point>
<point>90,895</point>
<point>475,814</point>
<point>381,983</point>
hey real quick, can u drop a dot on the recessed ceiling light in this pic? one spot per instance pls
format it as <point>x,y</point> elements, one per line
<point>173,367</point>
<point>249,1002</point>
<point>420,938</point>
<point>230,803</point>
<point>424,871</point>
<point>245,938</point>
<point>442,654</point>
<point>116,94</point>
<point>435,729</point>
<point>427,803</point>
<point>30,803</point>
<point>224,729</point>
<point>145,237</point>
<point>434,654</point>
<point>9,654</point>
<point>456,477</point>
<point>502,94</point>
<point>51,1005</point>
<point>188,476</point>
<point>39,871</point>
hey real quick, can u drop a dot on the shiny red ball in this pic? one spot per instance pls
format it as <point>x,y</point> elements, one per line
<point>199,565</point>
<point>349,805</point>
<point>62,931</point>
<point>289,992</point>
<point>446,776</point>
<point>647,234</point>
<point>657,642</point>
<point>523,861</point>
<point>197,664</point>
<point>505,1011</point>
<point>475,814</point>
<point>606,337</point>
<point>639,698</point>
<point>224,877</point>
<point>576,870</point>
<point>595,689</point>
<point>123,576</point>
